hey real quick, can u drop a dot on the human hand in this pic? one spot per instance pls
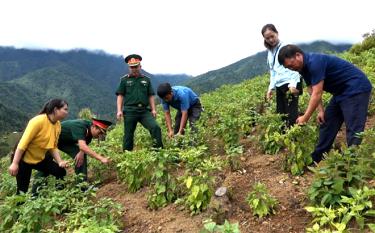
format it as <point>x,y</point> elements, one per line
<point>302,120</point>
<point>170,134</point>
<point>105,160</point>
<point>294,91</point>
<point>13,169</point>
<point>269,95</point>
<point>79,159</point>
<point>119,115</point>
<point>63,164</point>
<point>153,112</point>
<point>320,117</point>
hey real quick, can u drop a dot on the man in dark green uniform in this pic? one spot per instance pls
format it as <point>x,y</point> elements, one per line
<point>135,101</point>
<point>75,137</point>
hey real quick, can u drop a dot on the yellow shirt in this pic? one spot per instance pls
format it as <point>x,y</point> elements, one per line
<point>40,136</point>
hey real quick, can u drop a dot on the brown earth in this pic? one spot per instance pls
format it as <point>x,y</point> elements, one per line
<point>289,190</point>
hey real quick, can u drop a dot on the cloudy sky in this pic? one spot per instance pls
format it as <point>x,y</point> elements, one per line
<point>179,36</point>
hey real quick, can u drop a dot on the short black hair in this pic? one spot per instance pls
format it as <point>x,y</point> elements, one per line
<point>288,51</point>
<point>164,89</point>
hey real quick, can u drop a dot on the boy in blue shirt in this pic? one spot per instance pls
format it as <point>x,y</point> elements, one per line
<point>185,101</point>
<point>350,89</point>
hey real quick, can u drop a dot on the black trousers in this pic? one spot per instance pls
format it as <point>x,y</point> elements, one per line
<point>287,104</point>
<point>194,113</point>
<point>47,166</point>
<point>352,111</point>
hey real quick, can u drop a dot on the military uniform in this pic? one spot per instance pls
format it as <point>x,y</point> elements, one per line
<point>71,132</point>
<point>136,92</point>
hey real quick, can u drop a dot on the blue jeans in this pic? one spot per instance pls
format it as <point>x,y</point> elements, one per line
<point>352,111</point>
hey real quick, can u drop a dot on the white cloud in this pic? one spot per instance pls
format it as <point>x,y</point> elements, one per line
<point>175,36</point>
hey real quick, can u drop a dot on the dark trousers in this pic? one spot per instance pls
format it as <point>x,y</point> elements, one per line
<point>194,114</point>
<point>287,104</point>
<point>147,120</point>
<point>72,151</point>
<point>352,111</point>
<point>47,166</point>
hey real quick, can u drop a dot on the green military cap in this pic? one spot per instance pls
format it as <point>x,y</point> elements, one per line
<point>133,60</point>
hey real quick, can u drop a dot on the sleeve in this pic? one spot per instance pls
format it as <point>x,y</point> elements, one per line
<point>165,106</point>
<point>295,78</point>
<point>121,89</point>
<point>58,130</point>
<point>317,70</point>
<point>150,88</point>
<point>185,102</point>
<point>32,129</point>
<point>272,84</point>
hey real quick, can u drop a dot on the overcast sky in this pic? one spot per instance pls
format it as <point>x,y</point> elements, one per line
<point>179,36</point>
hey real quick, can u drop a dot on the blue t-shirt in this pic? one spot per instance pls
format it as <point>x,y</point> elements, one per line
<point>341,78</point>
<point>183,98</point>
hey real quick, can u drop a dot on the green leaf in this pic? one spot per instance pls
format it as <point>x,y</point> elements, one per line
<point>161,189</point>
<point>360,221</point>
<point>370,213</point>
<point>326,199</point>
<point>372,227</point>
<point>189,181</point>
<point>338,186</point>
<point>210,226</point>
<point>195,191</point>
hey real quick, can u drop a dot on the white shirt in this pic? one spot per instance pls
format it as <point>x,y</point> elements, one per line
<point>279,75</point>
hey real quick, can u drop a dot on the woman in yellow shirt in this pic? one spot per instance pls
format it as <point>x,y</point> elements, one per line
<point>40,136</point>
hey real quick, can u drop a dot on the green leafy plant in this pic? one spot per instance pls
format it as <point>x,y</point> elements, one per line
<point>199,192</point>
<point>270,127</point>
<point>211,227</point>
<point>260,202</point>
<point>300,142</point>
<point>136,169</point>
<point>234,154</point>
<point>164,184</point>
<point>101,215</point>
<point>358,206</point>
<point>334,176</point>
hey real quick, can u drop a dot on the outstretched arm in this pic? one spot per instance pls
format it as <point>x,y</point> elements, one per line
<point>315,102</point>
<point>87,150</point>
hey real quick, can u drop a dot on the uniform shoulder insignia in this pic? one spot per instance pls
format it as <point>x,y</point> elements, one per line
<point>124,77</point>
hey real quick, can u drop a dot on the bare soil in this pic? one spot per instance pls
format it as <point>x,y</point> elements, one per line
<point>289,190</point>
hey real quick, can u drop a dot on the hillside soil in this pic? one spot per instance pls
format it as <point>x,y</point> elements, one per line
<point>289,190</point>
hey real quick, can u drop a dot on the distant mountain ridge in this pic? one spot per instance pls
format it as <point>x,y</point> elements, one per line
<point>250,67</point>
<point>28,78</point>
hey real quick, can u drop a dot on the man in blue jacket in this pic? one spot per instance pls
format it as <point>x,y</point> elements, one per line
<point>350,89</point>
<point>185,101</point>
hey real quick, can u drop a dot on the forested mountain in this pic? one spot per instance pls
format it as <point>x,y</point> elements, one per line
<point>28,78</point>
<point>250,67</point>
